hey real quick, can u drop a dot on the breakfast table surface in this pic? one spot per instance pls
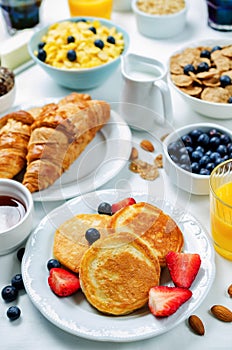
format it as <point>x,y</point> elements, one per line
<point>32,329</point>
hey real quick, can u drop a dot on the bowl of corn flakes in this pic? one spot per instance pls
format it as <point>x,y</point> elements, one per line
<point>201,72</point>
<point>160,19</point>
<point>81,52</point>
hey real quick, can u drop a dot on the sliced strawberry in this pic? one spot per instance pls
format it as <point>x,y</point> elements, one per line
<point>121,204</point>
<point>164,301</point>
<point>183,268</point>
<point>63,282</point>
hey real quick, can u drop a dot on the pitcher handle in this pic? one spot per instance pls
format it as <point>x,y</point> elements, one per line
<point>166,100</point>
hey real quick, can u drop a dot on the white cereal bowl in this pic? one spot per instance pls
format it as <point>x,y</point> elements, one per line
<point>185,180</point>
<point>160,26</point>
<point>14,235</point>
<point>208,109</point>
<point>7,100</point>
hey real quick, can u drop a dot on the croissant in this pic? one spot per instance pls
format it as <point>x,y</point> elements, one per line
<point>59,135</point>
<point>15,130</point>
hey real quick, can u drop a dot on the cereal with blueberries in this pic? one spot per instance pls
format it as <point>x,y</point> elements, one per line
<point>204,72</point>
<point>80,44</point>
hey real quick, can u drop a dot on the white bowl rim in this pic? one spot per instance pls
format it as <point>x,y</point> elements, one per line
<point>30,203</point>
<point>204,42</point>
<point>81,70</point>
<point>168,16</point>
<point>178,132</point>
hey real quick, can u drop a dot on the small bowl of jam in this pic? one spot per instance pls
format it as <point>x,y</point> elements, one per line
<point>16,215</point>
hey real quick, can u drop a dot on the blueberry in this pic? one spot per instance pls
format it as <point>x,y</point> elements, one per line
<point>110,39</point>
<point>229,148</point>
<point>195,134</point>
<point>189,149</point>
<point>99,43</point>
<point>186,140</point>
<point>20,253</point>
<point>93,29</point>
<point>92,235</point>
<point>208,153</point>
<point>225,139</point>
<point>214,142</point>
<point>219,160</point>
<point>17,281</point>
<point>230,99</point>
<point>203,140</point>
<point>214,132</point>
<point>215,48</point>
<point>222,150</point>
<point>204,171</point>
<point>205,53</point>
<point>200,149</point>
<point>202,67</point>
<point>174,158</point>
<point>53,263</point>
<point>226,157</point>
<point>13,313</point>
<point>104,208</point>
<point>196,156</point>
<point>214,156</point>
<point>174,147</point>
<point>204,161</point>
<point>195,167</point>
<point>71,55</point>
<point>80,20</point>
<point>210,166</point>
<point>184,159</point>
<point>42,55</point>
<point>41,45</point>
<point>9,293</point>
<point>189,68</point>
<point>70,39</point>
<point>225,80</point>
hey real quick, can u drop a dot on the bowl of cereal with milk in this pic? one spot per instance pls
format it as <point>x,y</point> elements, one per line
<point>81,52</point>
<point>160,19</point>
<point>201,72</point>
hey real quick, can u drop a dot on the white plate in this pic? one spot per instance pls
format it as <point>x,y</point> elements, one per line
<point>74,314</point>
<point>101,160</point>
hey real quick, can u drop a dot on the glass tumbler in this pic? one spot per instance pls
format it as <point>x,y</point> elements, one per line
<point>95,8</point>
<point>20,14</point>
<point>221,208</point>
<point>220,14</point>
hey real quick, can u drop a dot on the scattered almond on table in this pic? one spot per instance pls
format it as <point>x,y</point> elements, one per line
<point>196,324</point>
<point>147,145</point>
<point>222,313</point>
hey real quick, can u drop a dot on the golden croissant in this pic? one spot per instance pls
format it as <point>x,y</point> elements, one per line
<point>15,130</point>
<point>59,134</point>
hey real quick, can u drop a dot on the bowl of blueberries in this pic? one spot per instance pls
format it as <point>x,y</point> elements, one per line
<point>192,152</point>
<point>201,73</point>
<point>79,53</point>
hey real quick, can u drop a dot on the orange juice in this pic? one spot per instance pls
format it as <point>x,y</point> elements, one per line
<point>221,220</point>
<point>97,8</point>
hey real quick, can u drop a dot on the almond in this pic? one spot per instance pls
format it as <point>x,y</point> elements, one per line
<point>196,324</point>
<point>229,290</point>
<point>222,313</point>
<point>134,154</point>
<point>147,145</point>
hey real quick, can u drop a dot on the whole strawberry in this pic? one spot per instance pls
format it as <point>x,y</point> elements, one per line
<point>183,268</point>
<point>62,282</point>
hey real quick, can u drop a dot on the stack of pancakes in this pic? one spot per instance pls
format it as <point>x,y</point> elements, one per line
<point>117,271</point>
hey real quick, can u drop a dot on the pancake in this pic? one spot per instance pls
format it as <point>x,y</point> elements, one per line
<point>69,241</point>
<point>117,272</point>
<point>149,222</point>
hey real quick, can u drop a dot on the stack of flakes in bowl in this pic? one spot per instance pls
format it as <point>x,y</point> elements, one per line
<point>204,72</point>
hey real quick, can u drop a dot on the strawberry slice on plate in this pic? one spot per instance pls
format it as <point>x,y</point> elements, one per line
<point>121,204</point>
<point>62,282</point>
<point>183,268</point>
<point>164,301</point>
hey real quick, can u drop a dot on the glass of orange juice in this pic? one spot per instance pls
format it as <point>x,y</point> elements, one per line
<point>221,208</point>
<point>95,8</point>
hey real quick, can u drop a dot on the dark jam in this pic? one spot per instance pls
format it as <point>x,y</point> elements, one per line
<point>12,211</point>
<point>21,14</point>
